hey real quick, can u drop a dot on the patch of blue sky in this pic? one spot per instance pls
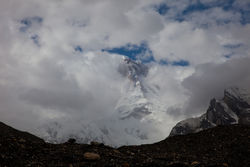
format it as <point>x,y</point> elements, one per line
<point>35,39</point>
<point>182,63</point>
<point>245,16</point>
<point>199,6</point>
<point>163,62</point>
<point>194,8</point>
<point>232,46</point>
<point>224,4</point>
<point>78,49</point>
<point>143,53</point>
<point>27,22</point>
<point>227,5</point>
<point>179,18</point>
<point>135,52</point>
<point>228,56</point>
<point>161,8</point>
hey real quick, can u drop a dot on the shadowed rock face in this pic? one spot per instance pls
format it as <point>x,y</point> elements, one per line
<point>232,109</point>
<point>191,125</point>
<point>218,115</point>
<point>221,146</point>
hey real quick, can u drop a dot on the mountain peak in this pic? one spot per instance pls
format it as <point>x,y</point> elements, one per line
<point>132,69</point>
<point>233,108</point>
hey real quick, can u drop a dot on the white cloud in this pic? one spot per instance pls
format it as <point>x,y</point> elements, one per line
<point>50,80</point>
<point>211,79</point>
<point>185,41</point>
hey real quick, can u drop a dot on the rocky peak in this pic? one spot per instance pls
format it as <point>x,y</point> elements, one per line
<point>132,69</point>
<point>134,104</point>
<point>233,108</point>
<point>220,114</point>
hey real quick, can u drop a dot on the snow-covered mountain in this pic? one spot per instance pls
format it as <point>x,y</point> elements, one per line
<point>137,112</point>
<point>139,100</point>
<point>233,108</point>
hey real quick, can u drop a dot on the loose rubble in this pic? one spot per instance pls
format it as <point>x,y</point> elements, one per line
<point>222,146</point>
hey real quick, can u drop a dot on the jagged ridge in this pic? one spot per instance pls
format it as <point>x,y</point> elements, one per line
<point>233,108</point>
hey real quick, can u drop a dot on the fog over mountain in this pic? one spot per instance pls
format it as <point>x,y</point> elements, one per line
<point>122,72</point>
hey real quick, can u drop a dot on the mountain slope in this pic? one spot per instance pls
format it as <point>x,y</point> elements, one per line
<point>234,108</point>
<point>7,131</point>
<point>136,113</point>
<point>228,146</point>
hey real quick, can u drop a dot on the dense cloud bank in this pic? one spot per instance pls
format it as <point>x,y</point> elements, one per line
<point>210,80</point>
<point>56,61</point>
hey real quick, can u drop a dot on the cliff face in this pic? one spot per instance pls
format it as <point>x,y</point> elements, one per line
<point>233,108</point>
<point>222,146</point>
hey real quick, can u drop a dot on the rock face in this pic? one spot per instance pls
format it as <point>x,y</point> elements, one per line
<point>233,108</point>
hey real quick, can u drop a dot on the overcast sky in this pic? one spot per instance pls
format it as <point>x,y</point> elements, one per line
<point>59,58</point>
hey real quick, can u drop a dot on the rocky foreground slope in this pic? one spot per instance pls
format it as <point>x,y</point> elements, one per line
<point>222,146</point>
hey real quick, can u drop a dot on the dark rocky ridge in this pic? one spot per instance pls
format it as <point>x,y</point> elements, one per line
<point>233,108</point>
<point>222,146</point>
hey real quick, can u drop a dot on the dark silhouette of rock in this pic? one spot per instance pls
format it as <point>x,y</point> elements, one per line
<point>71,141</point>
<point>222,146</point>
<point>94,143</point>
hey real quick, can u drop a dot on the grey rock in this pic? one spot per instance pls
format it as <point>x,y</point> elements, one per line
<point>233,108</point>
